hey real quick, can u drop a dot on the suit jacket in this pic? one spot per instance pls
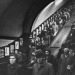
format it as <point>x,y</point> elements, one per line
<point>62,66</point>
<point>45,69</point>
<point>13,69</point>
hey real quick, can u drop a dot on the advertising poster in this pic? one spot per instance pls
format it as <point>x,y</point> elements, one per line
<point>1,53</point>
<point>21,41</point>
<point>16,44</point>
<point>11,49</point>
<point>6,51</point>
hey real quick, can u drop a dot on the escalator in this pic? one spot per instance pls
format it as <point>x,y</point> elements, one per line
<point>57,19</point>
<point>62,35</point>
<point>59,23</point>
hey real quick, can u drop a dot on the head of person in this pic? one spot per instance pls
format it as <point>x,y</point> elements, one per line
<point>16,51</point>
<point>12,59</point>
<point>39,56</point>
<point>20,52</point>
<point>47,52</point>
<point>66,50</point>
<point>71,52</point>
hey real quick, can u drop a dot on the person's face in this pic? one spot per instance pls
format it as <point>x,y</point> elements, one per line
<point>46,52</point>
<point>39,60</point>
<point>71,53</point>
<point>12,59</point>
<point>16,52</point>
<point>65,50</point>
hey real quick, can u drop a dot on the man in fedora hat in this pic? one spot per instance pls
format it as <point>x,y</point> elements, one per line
<point>42,67</point>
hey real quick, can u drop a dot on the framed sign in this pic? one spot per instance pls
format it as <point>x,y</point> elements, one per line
<point>40,29</point>
<point>37,32</point>
<point>1,53</point>
<point>21,41</point>
<point>16,44</point>
<point>42,26</point>
<point>12,49</point>
<point>34,34</point>
<point>6,51</point>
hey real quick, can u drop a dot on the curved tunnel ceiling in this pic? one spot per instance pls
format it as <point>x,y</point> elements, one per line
<point>17,16</point>
<point>12,14</point>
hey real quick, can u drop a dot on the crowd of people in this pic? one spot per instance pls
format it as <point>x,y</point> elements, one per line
<point>40,60</point>
<point>45,63</point>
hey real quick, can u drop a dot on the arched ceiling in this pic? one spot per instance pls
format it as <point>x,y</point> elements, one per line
<point>13,14</point>
<point>17,16</point>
